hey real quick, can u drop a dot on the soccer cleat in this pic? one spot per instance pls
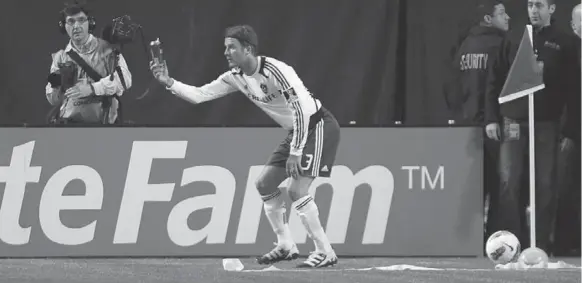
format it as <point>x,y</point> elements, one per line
<point>278,254</point>
<point>319,260</point>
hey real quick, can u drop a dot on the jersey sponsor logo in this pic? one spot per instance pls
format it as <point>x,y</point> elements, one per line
<point>138,190</point>
<point>265,99</point>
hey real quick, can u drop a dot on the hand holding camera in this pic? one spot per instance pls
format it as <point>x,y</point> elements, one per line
<point>160,72</point>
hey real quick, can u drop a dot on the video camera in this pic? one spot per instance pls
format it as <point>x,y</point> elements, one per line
<point>65,77</point>
<point>121,30</point>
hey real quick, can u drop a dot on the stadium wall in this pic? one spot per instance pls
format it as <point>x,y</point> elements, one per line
<point>121,192</point>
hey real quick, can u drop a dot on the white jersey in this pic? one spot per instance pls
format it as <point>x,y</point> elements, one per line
<point>274,87</point>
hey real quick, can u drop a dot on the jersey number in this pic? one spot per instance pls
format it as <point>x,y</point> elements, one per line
<point>308,161</point>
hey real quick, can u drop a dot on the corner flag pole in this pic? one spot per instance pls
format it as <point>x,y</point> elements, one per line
<point>532,162</point>
<point>524,79</point>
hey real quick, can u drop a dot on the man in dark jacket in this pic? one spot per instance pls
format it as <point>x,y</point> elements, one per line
<point>508,122</point>
<point>567,230</point>
<point>466,94</point>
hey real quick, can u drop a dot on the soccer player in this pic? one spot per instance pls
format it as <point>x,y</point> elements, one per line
<point>307,152</point>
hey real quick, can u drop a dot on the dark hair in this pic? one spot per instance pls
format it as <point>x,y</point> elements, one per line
<point>245,34</point>
<point>484,8</point>
<point>73,8</point>
<point>487,8</point>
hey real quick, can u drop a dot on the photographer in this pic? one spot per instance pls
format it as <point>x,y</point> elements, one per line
<point>88,76</point>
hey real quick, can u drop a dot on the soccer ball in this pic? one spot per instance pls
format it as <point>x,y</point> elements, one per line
<point>502,247</point>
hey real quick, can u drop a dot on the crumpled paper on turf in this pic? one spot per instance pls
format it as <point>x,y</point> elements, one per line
<point>401,267</point>
<point>523,266</point>
<point>232,264</point>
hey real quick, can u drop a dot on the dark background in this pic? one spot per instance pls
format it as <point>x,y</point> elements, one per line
<point>370,61</point>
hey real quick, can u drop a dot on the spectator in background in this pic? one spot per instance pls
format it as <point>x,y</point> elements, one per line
<point>577,20</point>
<point>466,94</point>
<point>508,122</point>
<point>567,231</point>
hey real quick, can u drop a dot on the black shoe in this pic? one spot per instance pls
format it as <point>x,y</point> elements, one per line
<point>278,254</point>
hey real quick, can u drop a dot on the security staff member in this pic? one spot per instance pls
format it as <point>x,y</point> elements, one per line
<point>508,122</point>
<point>472,59</point>
<point>467,96</point>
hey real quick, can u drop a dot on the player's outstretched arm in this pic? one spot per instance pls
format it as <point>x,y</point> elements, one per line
<point>218,88</point>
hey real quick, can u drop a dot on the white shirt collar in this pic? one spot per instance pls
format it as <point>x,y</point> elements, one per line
<point>70,44</point>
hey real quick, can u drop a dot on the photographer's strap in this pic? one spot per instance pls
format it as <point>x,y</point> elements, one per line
<point>118,69</point>
<point>90,71</point>
<point>96,77</point>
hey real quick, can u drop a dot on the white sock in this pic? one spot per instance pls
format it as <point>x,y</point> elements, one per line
<point>309,214</point>
<point>275,212</point>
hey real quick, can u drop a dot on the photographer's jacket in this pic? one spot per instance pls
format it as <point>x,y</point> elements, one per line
<point>100,56</point>
<point>556,49</point>
<point>466,92</point>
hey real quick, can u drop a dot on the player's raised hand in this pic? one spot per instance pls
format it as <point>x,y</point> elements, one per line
<point>160,72</point>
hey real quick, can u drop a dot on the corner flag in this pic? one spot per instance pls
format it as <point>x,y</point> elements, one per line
<point>524,76</point>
